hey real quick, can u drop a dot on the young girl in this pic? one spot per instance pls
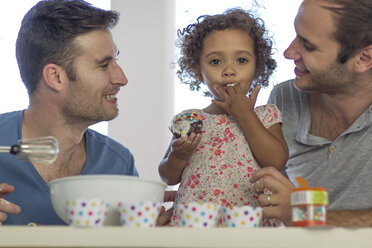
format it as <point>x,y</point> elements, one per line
<point>227,52</point>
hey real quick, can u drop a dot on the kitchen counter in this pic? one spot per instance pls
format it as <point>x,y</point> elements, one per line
<point>116,236</point>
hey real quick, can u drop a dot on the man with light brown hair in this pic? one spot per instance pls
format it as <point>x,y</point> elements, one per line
<point>327,112</point>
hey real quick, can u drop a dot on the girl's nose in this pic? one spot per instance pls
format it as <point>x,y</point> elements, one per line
<point>228,71</point>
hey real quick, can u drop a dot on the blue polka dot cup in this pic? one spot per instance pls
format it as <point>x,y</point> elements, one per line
<point>86,212</point>
<point>198,214</point>
<point>242,217</point>
<point>140,214</point>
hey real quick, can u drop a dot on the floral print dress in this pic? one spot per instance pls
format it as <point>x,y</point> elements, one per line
<point>220,169</point>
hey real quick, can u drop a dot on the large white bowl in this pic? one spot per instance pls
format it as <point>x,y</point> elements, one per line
<point>110,188</point>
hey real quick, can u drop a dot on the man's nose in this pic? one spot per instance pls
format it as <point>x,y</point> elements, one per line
<point>292,52</point>
<point>118,76</point>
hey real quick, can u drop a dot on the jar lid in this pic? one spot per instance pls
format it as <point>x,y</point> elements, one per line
<point>308,195</point>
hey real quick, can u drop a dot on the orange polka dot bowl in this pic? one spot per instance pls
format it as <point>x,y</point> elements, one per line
<point>111,189</point>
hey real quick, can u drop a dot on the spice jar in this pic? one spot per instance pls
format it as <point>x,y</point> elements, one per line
<point>309,205</point>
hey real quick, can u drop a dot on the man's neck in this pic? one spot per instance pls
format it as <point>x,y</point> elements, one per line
<point>331,115</point>
<point>72,153</point>
<point>41,122</point>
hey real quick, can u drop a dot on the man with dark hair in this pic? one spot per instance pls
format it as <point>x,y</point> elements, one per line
<point>68,62</point>
<point>327,112</point>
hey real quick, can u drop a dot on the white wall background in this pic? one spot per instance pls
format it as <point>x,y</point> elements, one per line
<point>146,39</point>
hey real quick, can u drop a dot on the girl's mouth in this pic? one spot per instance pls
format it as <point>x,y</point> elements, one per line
<point>225,86</point>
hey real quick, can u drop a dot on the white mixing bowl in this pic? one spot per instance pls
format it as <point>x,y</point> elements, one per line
<point>110,188</point>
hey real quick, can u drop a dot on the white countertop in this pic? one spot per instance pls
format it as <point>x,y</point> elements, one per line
<point>107,236</point>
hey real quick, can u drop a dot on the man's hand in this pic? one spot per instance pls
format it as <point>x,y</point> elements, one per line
<point>276,205</point>
<point>5,206</point>
<point>165,216</point>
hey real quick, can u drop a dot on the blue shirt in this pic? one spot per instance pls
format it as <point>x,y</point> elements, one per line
<point>31,192</point>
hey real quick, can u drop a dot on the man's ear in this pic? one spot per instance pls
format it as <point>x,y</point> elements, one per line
<point>53,76</point>
<point>364,62</point>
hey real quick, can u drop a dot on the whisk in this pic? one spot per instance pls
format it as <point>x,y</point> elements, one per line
<point>42,150</point>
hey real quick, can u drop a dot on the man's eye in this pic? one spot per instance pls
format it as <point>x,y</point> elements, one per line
<point>309,48</point>
<point>242,60</point>
<point>215,62</point>
<point>104,66</point>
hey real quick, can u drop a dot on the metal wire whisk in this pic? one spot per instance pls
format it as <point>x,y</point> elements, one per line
<point>42,150</point>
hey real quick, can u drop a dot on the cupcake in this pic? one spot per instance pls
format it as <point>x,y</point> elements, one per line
<point>186,123</point>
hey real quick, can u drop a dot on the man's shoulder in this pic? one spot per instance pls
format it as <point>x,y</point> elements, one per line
<point>10,119</point>
<point>104,140</point>
<point>285,92</point>
<point>284,86</point>
<point>9,116</point>
<point>105,155</point>
<point>103,143</point>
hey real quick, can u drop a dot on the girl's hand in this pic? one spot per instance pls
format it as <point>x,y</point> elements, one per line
<point>236,103</point>
<point>183,147</point>
<point>276,205</point>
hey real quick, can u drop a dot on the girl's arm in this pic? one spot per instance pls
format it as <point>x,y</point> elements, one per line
<point>267,145</point>
<point>175,159</point>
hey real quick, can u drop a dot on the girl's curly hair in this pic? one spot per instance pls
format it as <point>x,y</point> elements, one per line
<point>190,42</point>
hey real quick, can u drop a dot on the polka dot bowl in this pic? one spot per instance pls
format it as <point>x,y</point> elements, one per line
<point>140,214</point>
<point>110,188</point>
<point>198,214</point>
<point>84,212</point>
<point>242,217</point>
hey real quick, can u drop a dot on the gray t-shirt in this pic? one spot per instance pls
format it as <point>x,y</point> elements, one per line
<point>343,166</point>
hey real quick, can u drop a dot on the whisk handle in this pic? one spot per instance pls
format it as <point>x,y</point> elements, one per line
<point>15,149</point>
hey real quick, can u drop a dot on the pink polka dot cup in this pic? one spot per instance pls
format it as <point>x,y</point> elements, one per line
<point>86,212</point>
<point>198,214</point>
<point>141,214</point>
<point>242,217</point>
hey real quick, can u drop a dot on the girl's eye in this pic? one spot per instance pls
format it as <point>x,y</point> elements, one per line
<point>242,60</point>
<point>215,62</point>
